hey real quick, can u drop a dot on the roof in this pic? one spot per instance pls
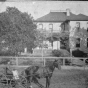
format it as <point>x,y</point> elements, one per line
<point>61,17</point>
<point>53,17</point>
<point>79,17</point>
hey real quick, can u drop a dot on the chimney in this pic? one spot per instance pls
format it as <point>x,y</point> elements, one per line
<point>68,12</point>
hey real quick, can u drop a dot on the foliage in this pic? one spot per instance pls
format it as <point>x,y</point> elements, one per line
<point>64,40</point>
<point>56,53</point>
<point>4,61</point>
<point>60,53</point>
<point>41,36</point>
<point>17,30</point>
<point>9,53</point>
<point>63,37</point>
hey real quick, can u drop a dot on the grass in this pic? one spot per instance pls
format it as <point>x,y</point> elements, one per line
<point>66,79</point>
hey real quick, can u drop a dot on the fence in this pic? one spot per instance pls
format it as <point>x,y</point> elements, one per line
<point>26,61</point>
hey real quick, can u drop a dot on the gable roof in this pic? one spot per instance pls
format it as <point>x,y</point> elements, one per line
<point>61,17</point>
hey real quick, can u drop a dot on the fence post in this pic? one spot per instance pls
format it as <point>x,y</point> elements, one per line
<point>42,57</point>
<point>71,56</point>
<point>84,62</point>
<point>63,61</point>
<point>71,60</point>
<point>17,61</point>
<point>44,61</point>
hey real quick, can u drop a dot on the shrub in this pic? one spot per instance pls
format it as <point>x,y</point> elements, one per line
<point>4,61</point>
<point>9,53</point>
<point>60,53</point>
<point>56,53</point>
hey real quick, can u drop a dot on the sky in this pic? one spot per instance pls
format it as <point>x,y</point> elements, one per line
<point>40,8</point>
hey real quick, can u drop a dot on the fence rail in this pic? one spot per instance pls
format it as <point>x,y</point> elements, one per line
<point>25,61</point>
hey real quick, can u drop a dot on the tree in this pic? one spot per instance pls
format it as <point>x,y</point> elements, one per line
<point>17,30</point>
<point>41,35</point>
<point>64,39</point>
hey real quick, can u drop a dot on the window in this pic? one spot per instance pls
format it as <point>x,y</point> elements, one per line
<point>87,26</point>
<point>78,24</point>
<point>78,42</point>
<point>51,27</point>
<point>87,42</point>
<point>40,26</point>
<point>87,29</point>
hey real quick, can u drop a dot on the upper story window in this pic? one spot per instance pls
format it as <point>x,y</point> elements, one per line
<point>87,42</point>
<point>78,42</point>
<point>78,25</point>
<point>40,26</point>
<point>51,27</point>
<point>87,29</point>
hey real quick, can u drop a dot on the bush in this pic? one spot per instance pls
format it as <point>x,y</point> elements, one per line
<point>56,53</point>
<point>60,53</point>
<point>4,61</point>
<point>9,53</point>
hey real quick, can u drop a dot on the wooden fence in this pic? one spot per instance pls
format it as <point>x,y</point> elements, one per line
<point>25,61</point>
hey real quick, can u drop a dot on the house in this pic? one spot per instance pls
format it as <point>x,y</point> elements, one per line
<point>57,22</point>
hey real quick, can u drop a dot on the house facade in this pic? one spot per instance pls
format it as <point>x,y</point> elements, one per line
<point>65,21</point>
<point>78,38</point>
<point>50,28</point>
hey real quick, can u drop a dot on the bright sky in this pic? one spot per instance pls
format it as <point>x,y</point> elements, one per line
<point>40,8</point>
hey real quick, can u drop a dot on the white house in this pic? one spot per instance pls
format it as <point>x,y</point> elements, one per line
<point>59,21</point>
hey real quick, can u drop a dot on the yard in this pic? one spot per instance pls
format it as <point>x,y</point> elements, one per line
<point>66,79</point>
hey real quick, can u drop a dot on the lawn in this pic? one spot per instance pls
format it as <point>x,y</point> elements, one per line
<point>66,79</point>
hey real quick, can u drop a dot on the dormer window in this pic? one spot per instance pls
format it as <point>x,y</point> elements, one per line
<point>40,26</point>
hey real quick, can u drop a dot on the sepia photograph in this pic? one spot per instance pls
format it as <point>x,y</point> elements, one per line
<point>43,44</point>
